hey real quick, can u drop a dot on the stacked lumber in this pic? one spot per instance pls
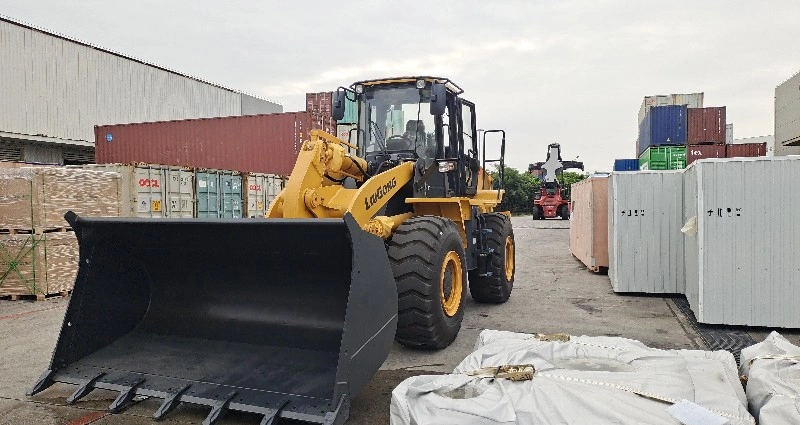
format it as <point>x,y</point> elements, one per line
<point>38,250</point>
<point>38,264</point>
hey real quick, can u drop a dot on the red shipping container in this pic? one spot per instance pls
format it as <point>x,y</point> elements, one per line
<point>695,152</point>
<point>706,126</point>
<point>319,105</point>
<point>747,150</point>
<point>253,143</point>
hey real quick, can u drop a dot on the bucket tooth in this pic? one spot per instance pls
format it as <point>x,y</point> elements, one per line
<point>170,403</point>
<point>85,388</point>
<point>218,408</point>
<point>44,382</point>
<point>125,397</point>
<point>269,418</point>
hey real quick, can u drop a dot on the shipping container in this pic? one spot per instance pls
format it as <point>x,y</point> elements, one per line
<point>695,152</point>
<point>253,143</point>
<point>152,191</point>
<point>645,243</point>
<point>219,194</point>
<point>706,126</point>
<point>261,190</point>
<point>663,158</point>
<point>787,117</point>
<point>320,106</point>
<point>741,241</point>
<point>729,133</point>
<point>663,126</point>
<point>746,150</point>
<point>692,100</point>
<point>626,165</point>
<point>350,111</point>
<point>588,227</point>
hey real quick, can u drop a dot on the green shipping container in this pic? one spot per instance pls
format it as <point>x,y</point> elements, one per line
<point>663,158</point>
<point>350,112</point>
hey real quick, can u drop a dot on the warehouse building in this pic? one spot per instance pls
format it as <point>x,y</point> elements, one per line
<point>55,89</point>
<point>787,117</point>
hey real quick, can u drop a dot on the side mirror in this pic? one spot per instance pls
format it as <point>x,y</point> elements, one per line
<point>339,98</point>
<point>438,99</point>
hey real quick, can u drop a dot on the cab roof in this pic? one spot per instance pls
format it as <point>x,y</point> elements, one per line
<point>451,86</point>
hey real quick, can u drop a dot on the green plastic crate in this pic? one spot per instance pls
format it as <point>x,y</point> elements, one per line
<point>663,158</point>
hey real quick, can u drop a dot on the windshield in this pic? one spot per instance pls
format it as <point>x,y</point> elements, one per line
<point>397,119</point>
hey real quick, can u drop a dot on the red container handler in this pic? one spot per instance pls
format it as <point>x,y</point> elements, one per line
<point>747,150</point>
<point>695,152</point>
<point>706,126</point>
<point>253,143</point>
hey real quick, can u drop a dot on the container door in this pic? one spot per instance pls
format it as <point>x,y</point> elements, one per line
<point>150,192</point>
<point>231,187</point>
<point>179,192</point>
<point>207,195</point>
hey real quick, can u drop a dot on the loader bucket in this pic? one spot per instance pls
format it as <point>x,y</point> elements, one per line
<point>285,318</point>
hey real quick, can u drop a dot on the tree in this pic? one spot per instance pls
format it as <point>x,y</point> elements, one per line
<point>520,188</point>
<point>519,191</point>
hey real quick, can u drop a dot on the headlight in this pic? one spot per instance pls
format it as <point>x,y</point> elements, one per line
<point>446,166</point>
<point>420,84</point>
<point>359,89</point>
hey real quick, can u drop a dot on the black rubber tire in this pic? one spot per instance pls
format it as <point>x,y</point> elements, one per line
<point>416,252</point>
<point>538,212</point>
<point>495,289</point>
<point>564,212</point>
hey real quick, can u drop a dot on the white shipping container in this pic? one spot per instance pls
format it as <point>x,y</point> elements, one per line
<point>729,133</point>
<point>153,191</point>
<point>261,191</point>
<point>742,264</point>
<point>692,100</point>
<point>645,243</point>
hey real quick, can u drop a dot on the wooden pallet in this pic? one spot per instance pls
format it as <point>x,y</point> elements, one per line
<point>35,231</point>
<point>34,297</point>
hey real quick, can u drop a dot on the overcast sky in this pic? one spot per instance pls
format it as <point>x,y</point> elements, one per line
<point>572,72</point>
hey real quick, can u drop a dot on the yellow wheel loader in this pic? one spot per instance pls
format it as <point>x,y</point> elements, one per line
<point>373,239</point>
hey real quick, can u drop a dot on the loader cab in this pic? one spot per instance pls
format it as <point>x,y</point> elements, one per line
<point>420,119</point>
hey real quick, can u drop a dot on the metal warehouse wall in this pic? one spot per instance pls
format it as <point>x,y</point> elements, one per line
<point>787,117</point>
<point>59,88</point>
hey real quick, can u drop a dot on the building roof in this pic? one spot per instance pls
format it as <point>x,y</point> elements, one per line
<point>112,52</point>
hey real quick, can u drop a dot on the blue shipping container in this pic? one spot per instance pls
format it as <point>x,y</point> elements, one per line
<point>626,164</point>
<point>663,126</point>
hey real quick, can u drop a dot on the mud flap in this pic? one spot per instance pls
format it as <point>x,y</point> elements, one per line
<point>286,318</point>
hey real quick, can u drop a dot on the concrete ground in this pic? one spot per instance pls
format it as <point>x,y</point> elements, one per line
<point>553,293</point>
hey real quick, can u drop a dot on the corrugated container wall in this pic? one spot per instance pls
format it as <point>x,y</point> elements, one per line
<point>255,143</point>
<point>153,191</point>
<point>261,190</point>
<point>588,227</point>
<point>706,125</point>
<point>692,100</point>
<point>626,165</point>
<point>729,133</point>
<point>747,150</point>
<point>663,158</point>
<point>59,88</point>
<point>320,105</point>
<point>663,125</point>
<point>695,152</point>
<point>219,194</point>
<point>742,263</point>
<point>787,117</point>
<point>645,243</point>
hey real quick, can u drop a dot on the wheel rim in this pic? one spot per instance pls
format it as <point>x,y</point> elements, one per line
<point>451,283</point>
<point>509,258</point>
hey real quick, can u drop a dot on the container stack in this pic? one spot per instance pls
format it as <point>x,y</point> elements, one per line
<point>38,249</point>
